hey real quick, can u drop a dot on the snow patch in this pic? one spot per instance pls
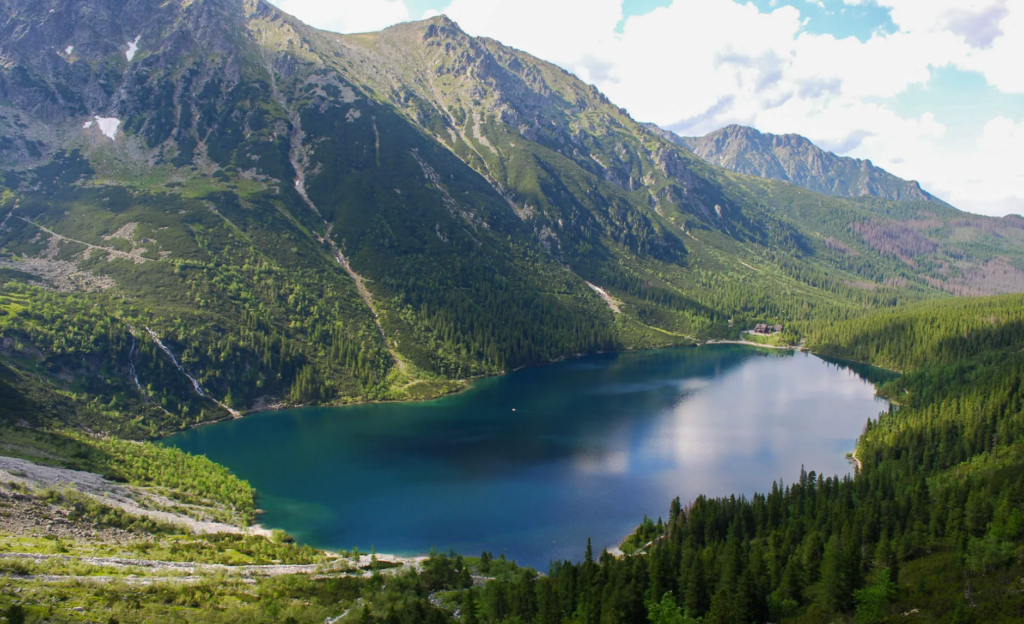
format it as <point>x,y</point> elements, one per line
<point>133,47</point>
<point>87,124</point>
<point>68,50</point>
<point>108,126</point>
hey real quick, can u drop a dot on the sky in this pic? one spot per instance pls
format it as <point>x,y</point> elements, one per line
<point>931,90</point>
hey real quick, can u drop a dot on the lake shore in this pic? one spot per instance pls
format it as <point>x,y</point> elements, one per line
<point>476,431</point>
<point>467,383</point>
<point>755,344</point>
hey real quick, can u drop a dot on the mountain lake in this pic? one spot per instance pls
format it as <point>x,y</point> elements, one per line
<point>532,463</point>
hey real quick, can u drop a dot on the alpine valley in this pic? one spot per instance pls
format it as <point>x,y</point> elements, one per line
<point>208,208</point>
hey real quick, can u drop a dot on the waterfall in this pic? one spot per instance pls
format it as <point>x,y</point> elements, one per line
<point>163,347</point>
<point>195,382</point>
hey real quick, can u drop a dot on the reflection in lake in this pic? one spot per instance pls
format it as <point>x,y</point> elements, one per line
<point>591,446</point>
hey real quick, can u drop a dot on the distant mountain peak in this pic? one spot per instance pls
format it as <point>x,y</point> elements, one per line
<point>442,20</point>
<point>795,159</point>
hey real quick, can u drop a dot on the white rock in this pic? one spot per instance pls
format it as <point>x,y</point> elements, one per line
<point>133,47</point>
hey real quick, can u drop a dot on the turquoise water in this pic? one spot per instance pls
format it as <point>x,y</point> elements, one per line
<point>533,463</point>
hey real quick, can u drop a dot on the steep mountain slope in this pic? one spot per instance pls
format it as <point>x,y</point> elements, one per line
<point>208,206</point>
<point>170,171</point>
<point>794,159</point>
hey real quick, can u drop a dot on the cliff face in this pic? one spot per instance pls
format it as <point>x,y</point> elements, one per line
<point>794,159</point>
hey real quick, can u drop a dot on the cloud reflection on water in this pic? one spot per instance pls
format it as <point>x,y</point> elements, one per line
<point>593,445</point>
<point>756,420</point>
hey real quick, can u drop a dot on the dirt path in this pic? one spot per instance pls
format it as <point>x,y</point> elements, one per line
<point>130,580</point>
<point>669,333</point>
<point>755,344</point>
<point>188,569</point>
<point>185,567</point>
<point>134,257</point>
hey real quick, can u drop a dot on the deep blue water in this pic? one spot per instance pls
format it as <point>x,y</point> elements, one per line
<point>533,463</point>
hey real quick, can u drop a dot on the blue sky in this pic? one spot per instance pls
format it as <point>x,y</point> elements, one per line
<point>929,89</point>
<point>960,100</point>
<point>834,17</point>
<point>837,18</point>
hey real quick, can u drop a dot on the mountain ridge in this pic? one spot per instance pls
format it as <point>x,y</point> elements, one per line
<point>794,158</point>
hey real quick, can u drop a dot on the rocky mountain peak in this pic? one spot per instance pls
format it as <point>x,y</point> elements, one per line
<point>441,26</point>
<point>795,159</point>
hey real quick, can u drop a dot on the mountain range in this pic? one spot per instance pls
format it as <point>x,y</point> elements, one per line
<point>209,207</point>
<point>795,159</point>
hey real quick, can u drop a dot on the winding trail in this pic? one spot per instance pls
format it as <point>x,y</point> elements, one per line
<point>186,571</point>
<point>755,344</point>
<point>185,567</point>
<point>136,258</point>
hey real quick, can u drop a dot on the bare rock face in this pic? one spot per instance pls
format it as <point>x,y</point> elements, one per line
<point>794,159</point>
<point>110,68</point>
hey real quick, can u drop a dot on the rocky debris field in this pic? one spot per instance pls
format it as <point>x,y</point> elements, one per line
<point>131,499</point>
<point>24,515</point>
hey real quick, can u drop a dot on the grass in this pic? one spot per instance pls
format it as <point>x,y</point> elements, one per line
<point>780,339</point>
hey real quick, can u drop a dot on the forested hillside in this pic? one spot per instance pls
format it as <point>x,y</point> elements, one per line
<point>209,208</point>
<point>929,529</point>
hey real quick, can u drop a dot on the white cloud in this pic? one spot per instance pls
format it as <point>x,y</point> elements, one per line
<point>996,164</point>
<point>567,32</point>
<point>346,16</point>
<point>999,62</point>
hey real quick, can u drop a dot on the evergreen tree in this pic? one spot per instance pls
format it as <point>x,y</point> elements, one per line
<point>696,598</point>
<point>835,576</point>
